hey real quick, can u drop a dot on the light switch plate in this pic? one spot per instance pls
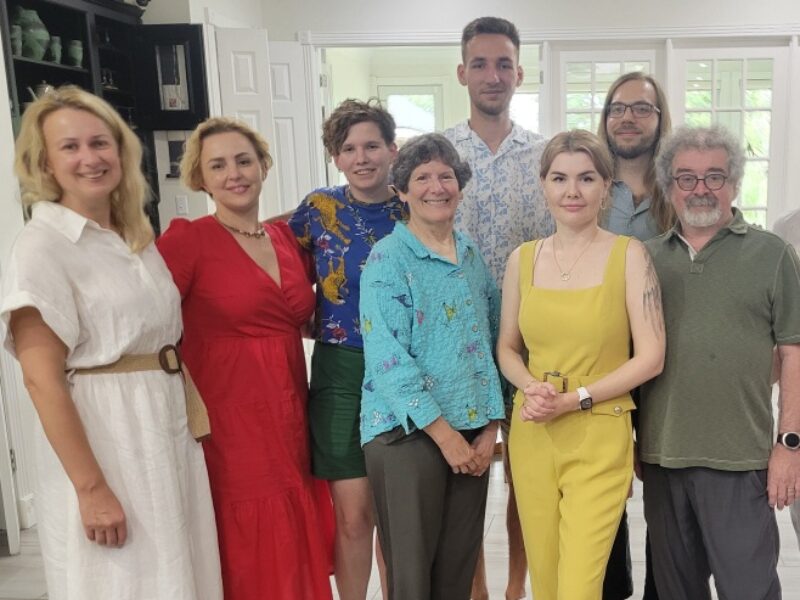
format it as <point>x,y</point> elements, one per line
<point>182,206</point>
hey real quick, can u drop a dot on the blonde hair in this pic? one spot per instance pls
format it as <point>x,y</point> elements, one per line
<point>191,170</point>
<point>578,140</point>
<point>38,184</point>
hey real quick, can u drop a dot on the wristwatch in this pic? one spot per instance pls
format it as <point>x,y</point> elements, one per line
<point>790,440</point>
<point>584,398</point>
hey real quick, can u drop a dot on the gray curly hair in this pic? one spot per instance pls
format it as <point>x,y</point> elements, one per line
<point>423,149</point>
<point>700,138</point>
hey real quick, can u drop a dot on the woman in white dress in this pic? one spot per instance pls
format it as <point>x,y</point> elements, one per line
<point>123,504</point>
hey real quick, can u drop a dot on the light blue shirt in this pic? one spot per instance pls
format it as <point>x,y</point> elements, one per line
<point>624,218</point>
<point>429,328</point>
<point>503,204</point>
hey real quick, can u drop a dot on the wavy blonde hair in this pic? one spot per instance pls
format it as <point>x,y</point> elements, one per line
<point>191,169</point>
<point>39,185</point>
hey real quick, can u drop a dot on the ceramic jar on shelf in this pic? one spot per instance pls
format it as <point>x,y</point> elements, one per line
<point>35,37</point>
<point>75,53</point>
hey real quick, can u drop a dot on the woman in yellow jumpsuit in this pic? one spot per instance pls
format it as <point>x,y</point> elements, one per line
<point>584,307</point>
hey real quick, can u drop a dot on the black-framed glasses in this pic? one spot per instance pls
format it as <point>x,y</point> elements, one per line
<point>688,181</point>
<point>640,110</point>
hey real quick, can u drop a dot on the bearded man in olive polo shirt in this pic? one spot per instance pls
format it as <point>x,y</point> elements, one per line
<point>712,468</point>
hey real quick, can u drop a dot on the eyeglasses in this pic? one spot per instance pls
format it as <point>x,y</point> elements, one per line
<point>713,181</point>
<point>640,110</point>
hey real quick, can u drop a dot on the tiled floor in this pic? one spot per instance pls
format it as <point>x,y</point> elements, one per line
<point>21,577</point>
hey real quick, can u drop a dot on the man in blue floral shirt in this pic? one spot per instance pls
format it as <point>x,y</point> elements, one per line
<point>503,205</point>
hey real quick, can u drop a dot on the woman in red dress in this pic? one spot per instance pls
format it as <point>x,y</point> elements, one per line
<point>246,289</point>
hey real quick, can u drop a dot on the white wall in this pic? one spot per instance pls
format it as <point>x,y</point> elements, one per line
<point>237,13</point>
<point>173,11</point>
<point>283,19</point>
<point>240,13</point>
<point>351,69</point>
<point>169,189</point>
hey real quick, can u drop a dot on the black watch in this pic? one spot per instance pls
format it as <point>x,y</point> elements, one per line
<point>584,399</point>
<point>790,440</point>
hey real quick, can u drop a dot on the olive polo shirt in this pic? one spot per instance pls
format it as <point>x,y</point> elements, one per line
<point>724,310</point>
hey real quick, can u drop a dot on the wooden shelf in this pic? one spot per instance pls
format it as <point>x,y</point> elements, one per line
<point>45,63</point>
<point>116,91</point>
<point>113,50</point>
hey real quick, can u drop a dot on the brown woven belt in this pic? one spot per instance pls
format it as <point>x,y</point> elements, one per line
<point>168,359</point>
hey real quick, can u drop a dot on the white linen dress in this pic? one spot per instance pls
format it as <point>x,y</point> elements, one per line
<point>104,301</point>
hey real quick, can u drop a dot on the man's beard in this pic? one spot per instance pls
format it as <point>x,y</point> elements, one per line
<point>704,218</point>
<point>493,109</point>
<point>647,145</point>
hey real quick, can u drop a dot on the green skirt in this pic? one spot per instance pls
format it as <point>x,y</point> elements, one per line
<point>334,407</point>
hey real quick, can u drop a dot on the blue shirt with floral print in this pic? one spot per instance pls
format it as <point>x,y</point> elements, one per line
<point>340,233</point>
<point>429,330</point>
<point>503,204</point>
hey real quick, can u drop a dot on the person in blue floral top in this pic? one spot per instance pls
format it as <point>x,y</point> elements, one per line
<point>339,226</point>
<point>432,397</point>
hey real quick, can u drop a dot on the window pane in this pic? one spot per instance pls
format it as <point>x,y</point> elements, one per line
<point>758,93</point>
<point>698,119</point>
<point>698,84</point>
<point>643,66</point>
<point>696,98</point>
<point>582,100</point>
<point>728,84</point>
<point>579,73</point>
<point>754,184</point>
<point>525,110</point>
<point>757,133</point>
<point>579,121</point>
<point>756,217</point>
<point>732,121</point>
<point>413,111</point>
<point>605,74</point>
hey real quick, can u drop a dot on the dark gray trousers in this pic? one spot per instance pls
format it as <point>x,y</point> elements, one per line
<point>705,522</point>
<point>430,520</point>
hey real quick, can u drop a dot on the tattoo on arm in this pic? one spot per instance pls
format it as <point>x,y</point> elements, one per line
<point>651,297</point>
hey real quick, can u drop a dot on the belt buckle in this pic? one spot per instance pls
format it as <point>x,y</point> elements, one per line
<point>164,357</point>
<point>557,375</point>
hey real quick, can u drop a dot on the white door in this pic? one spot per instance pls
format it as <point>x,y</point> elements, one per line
<point>9,519</point>
<point>246,93</point>
<point>292,105</point>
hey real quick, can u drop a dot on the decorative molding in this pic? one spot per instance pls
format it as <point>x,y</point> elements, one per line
<point>311,60</point>
<point>530,36</point>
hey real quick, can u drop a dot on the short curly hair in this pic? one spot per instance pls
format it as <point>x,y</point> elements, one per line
<point>715,137</point>
<point>423,149</point>
<point>191,171</point>
<point>351,112</point>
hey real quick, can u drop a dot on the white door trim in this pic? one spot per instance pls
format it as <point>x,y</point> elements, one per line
<point>532,36</point>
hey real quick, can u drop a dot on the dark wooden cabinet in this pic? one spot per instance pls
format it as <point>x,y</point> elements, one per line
<point>87,22</point>
<point>154,75</point>
<point>171,76</point>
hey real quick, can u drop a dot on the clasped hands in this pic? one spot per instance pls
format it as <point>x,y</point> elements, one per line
<point>470,459</point>
<point>542,403</point>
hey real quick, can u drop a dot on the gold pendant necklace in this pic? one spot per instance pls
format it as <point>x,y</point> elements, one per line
<point>565,275</point>
<point>259,233</point>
